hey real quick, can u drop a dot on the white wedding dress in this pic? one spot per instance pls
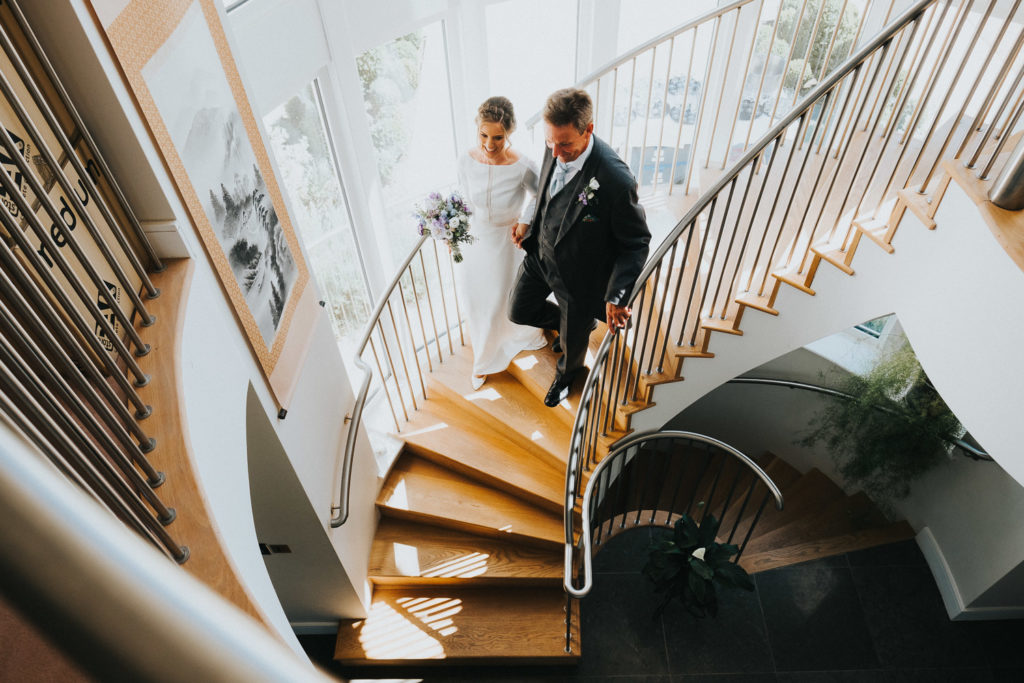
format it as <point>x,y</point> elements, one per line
<point>485,277</point>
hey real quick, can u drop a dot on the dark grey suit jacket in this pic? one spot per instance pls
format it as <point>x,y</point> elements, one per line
<point>602,245</point>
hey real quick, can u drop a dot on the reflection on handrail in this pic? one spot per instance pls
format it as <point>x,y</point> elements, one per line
<point>969,450</point>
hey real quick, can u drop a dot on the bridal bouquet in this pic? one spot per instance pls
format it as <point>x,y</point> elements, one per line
<point>446,219</point>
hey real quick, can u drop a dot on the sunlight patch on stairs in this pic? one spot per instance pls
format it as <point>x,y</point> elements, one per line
<point>399,497</point>
<point>389,634</point>
<point>463,567</point>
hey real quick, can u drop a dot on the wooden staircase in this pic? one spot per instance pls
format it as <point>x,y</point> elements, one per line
<point>467,562</point>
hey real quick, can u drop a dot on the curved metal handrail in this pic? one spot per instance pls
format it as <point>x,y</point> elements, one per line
<point>969,450</point>
<point>574,471</point>
<point>644,47</point>
<point>342,507</point>
<point>638,439</point>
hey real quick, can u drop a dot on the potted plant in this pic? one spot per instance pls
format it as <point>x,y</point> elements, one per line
<point>893,428</point>
<point>689,567</point>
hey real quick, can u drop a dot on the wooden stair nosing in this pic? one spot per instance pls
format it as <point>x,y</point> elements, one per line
<point>419,490</point>
<point>408,553</point>
<point>793,279</point>
<point>918,205</point>
<point>488,458</point>
<point>517,415</point>
<point>834,256</point>
<point>441,625</point>
<point>826,547</point>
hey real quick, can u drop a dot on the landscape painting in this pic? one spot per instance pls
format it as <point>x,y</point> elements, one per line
<point>196,103</point>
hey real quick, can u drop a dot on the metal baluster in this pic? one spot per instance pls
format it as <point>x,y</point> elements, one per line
<point>853,47</point>
<point>743,82</point>
<point>907,90</point>
<point>384,381</point>
<point>691,162</point>
<point>612,386</point>
<point>1003,107</point>
<point>671,301</point>
<point>867,143</point>
<point>455,295</point>
<point>922,49</point>
<point>61,384</point>
<point>647,332</point>
<point>401,353</point>
<point>721,92</point>
<point>789,58</point>
<point>764,233</point>
<point>629,107</point>
<point>76,363</point>
<point>807,58</point>
<point>764,72</point>
<point>696,275</point>
<point>62,230</point>
<point>754,164</point>
<point>90,188</point>
<point>750,530</point>
<point>831,46</point>
<point>444,304</point>
<point>732,240</point>
<point>430,305</point>
<point>663,332</point>
<point>615,94</point>
<point>974,87</point>
<point>664,113</point>
<point>714,252</point>
<point>823,102</point>
<point>54,252</point>
<point>647,115</point>
<point>412,340</point>
<point>94,467</point>
<point>801,120</point>
<point>682,119</point>
<point>979,121</point>
<point>743,508</point>
<point>391,366</point>
<point>419,313</point>
<point>86,136</point>
<point>999,147</point>
<point>636,334</point>
<point>27,283</point>
<point>64,456</point>
<point>945,100</point>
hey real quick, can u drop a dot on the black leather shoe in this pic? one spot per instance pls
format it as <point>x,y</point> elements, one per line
<point>556,345</point>
<point>558,392</point>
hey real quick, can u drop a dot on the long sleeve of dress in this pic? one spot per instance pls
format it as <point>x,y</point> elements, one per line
<point>531,181</point>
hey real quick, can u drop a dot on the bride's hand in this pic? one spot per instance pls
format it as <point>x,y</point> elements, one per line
<point>519,233</point>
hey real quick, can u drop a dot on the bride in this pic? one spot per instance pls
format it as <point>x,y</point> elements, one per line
<point>495,179</point>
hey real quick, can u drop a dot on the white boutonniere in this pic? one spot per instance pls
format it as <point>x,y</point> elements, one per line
<point>587,195</point>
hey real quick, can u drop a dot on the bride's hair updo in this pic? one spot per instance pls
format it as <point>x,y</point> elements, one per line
<point>497,110</point>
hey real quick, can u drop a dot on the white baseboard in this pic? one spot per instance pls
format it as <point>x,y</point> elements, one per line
<point>946,582</point>
<point>314,628</point>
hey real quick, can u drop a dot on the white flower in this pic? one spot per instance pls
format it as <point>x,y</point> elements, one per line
<point>698,553</point>
<point>593,184</point>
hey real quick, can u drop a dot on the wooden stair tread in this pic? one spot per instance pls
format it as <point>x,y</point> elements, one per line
<point>407,553</point>
<point>793,278</point>
<point>464,624</point>
<point>535,370</point>
<point>716,324</point>
<point>419,490</point>
<point>834,255</point>
<point>439,432</point>
<point>825,547</point>
<point>509,406</point>
<point>760,303</point>
<point>918,205</point>
<point>813,490</point>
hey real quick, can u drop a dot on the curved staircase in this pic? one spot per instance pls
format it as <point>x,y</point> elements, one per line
<point>467,562</point>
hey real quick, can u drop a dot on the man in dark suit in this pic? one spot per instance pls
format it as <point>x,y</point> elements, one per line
<point>587,242</point>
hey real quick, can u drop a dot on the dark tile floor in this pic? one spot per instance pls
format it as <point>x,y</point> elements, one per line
<point>872,615</point>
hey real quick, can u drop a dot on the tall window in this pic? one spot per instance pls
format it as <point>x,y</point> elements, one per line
<point>407,98</point>
<point>302,147</point>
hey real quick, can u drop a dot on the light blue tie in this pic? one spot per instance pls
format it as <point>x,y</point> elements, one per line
<point>558,179</point>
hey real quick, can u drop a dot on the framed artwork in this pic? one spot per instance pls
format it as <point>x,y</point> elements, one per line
<point>177,61</point>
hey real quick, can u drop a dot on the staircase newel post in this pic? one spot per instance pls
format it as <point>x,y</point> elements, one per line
<point>1007,191</point>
